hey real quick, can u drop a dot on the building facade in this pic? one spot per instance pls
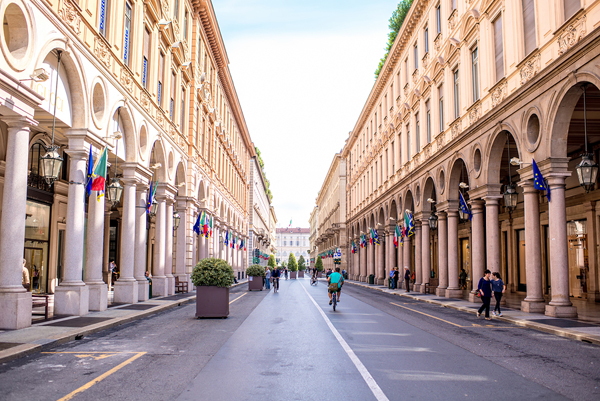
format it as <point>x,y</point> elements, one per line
<point>312,238</point>
<point>292,240</point>
<point>272,231</point>
<point>149,82</point>
<point>260,215</point>
<point>470,95</point>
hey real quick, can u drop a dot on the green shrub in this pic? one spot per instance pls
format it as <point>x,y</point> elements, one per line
<point>292,264</point>
<point>255,271</point>
<point>212,272</point>
<point>301,263</point>
<point>319,264</point>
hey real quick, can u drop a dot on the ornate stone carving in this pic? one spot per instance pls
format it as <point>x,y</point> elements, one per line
<point>426,60</point>
<point>406,89</point>
<point>437,43</point>
<point>101,51</point>
<point>176,29</point>
<point>165,7</point>
<point>440,141</point>
<point>452,20</point>
<point>456,129</point>
<point>70,15</point>
<point>571,35</point>
<point>530,68</point>
<point>474,114</point>
<point>499,93</point>
<point>172,131</point>
<point>126,80</point>
<point>415,76</point>
<point>145,101</point>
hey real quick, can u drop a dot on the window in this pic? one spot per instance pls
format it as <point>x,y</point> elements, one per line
<point>426,40</point>
<point>103,17</point>
<point>456,94</point>
<point>406,71</point>
<point>203,137</point>
<point>161,77</point>
<point>441,106</point>
<point>475,73</point>
<point>127,34</point>
<point>428,122</point>
<point>176,10</point>
<point>146,57</point>
<point>571,7</point>
<point>453,5</point>
<point>416,56</point>
<point>172,105</point>
<point>407,142</point>
<point>185,25</point>
<point>528,25</point>
<point>418,132</point>
<point>498,49</point>
<point>182,112</point>
<point>393,160</point>
<point>438,18</point>
<point>297,243</point>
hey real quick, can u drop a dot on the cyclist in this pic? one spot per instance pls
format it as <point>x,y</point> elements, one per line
<point>335,281</point>
<point>276,274</point>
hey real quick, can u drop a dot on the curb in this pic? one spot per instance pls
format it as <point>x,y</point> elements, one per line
<point>589,338</point>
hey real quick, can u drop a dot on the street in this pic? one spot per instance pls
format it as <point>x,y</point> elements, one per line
<point>292,346</point>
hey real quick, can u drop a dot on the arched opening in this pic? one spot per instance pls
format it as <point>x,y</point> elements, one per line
<point>458,191</point>
<point>430,218</point>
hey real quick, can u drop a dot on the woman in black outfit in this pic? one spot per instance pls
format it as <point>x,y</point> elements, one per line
<point>485,290</point>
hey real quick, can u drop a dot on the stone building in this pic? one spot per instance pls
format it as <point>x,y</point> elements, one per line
<point>150,82</point>
<point>467,86</point>
<point>260,214</point>
<point>312,238</point>
<point>292,240</point>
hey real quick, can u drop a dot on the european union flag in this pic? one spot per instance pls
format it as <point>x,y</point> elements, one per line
<point>464,207</point>
<point>90,173</point>
<point>539,182</point>
<point>197,225</point>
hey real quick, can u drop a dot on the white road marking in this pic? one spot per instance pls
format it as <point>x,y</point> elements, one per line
<point>375,389</point>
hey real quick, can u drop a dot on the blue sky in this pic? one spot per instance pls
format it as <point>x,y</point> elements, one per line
<point>303,71</point>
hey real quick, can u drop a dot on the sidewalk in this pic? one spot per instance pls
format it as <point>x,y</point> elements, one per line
<point>42,336</point>
<point>584,328</point>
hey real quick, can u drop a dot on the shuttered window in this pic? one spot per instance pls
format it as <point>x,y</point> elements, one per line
<point>441,106</point>
<point>529,25</point>
<point>428,108</point>
<point>418,132</point>
<point>498,48</point>
<point>146,57</point>
<point>571,7</point>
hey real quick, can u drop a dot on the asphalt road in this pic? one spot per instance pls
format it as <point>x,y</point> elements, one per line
<point>292,346</point>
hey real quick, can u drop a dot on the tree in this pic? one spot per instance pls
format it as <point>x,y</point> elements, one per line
<point>292,264</point>
<point>262,168</point>
<point>319,264</point>
<point>271,263</point>
<point>396,21</point>
<point>301,263</point>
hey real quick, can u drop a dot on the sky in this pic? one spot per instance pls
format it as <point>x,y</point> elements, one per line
<point>303,71</point>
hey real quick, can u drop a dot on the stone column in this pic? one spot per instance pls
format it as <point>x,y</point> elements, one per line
<point>560,305</point>
<point>453,290</point>
<point>478,245</point>
<point>492,232</point>
<point>400,262</point>
<point>98,289</point>
<point>381,261</point>
<point>534,302</point>
<point>390,251</point>
<point>71,297</point>
<point>418,255</point>
<point>15,301</point>
<point>203,246</point>
<point>169,247</point>
<point>363,264</point>
<point>159,280</point>
<point>141,240</point>
<point>126,287</point>
<point>593,293</point>
<point>181,242</point>
<point>371,265</point>
<point>105,273</point>
<point>442,254</point>
<point>425,251</point>
<point>406,258</point>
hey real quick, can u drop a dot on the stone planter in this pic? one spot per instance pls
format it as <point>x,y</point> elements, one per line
<point>255,283</point>
<point>293,274</point>
<point>212,301</point>
<point>301,274</point>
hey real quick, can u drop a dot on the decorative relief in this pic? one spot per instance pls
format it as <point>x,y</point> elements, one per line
<point>530,68</point>
<point>145,101</point>
<point>70,15</point>
<point>172,131</point>
<point>165,7</point>
<point>474,114</point>
<point>456,129</point>
<point>440,141</point>
<point>499,93</point>
<point>101,51</point>
<point>437,43</point>
<point>571,35</point>
<point>426,60</point>
<point>176,30</point>
<point>452,20</point>
<point>415,76</point>
<point>126,80</point>
<point>406,89</point>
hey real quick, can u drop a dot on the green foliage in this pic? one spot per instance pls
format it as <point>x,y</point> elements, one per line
<point>262,168</point>
<point>395,24</point>
<point>283,264</point>
<point>292,264</point>
<point>319,264</point>
<point>301,263</point>
<point>255,271</point>
<point>271,263</point>
<point>212,271</point>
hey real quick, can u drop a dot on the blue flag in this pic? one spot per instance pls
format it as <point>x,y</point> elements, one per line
<point>539,182</point>
<point>464,207</point>
<point>375,236</point>
<point>90,173</point>
<point>197,225</point>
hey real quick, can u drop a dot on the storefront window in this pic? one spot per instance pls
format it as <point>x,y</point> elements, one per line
<point>37,236</point>
<point>521,275</point>
<point>465,263</point>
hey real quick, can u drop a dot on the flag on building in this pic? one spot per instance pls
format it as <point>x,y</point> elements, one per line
<point>464,207</point>
<point>151,193</point>
<point>363,240</point>
<point>210,232</point>
<point>226,237</point>
<point>290,223</point>
<point>396,235</point>
<point>353,246</point>
<point>375,236</point>
<point>198,220</point>
<point>539,182</point>
<point>90,173</point>
<point>409,223</point>
<point>99,174</point>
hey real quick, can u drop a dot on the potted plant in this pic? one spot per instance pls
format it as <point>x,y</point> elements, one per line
<point>319,266</point>
<point>255,275</point>
<point>292,265</point>
<point>301,266</point>
<point>212,278</point>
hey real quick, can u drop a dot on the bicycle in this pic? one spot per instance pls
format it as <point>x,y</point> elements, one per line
<point>313,280</point>
<point>334,300</point>
<point>275,284</point>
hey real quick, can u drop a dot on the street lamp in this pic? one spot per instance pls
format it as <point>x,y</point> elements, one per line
<point>462,214</point>
<point>433,219</point>
<point>587,170</point>
<point>114,191</point>
<point>51,161</point>
<point>176,220</point>
<point>510,194</point>
<point>153,207</point>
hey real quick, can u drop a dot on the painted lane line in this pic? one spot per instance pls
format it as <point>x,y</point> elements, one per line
<point>422,313</point>
<point>237,298</point>
<point>101,377</point>
<point>375,389</point>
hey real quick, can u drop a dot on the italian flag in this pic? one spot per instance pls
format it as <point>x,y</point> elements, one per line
<point>396,235</point>
<point>99,173</point>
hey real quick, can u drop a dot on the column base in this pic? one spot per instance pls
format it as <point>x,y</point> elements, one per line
<point>416,287</point>
<point>454,293</point>
<point>532,306</point>
<point>561,311</point>
<point>143,290</point>
<point>126,292</point>
<point>71,300</point>
<point>422,289</point>
<point>159,286</point>
<point>16,310</point>
<point>474,298</point>
<point>440,292</point>
<point>380,281</point>
<point>98,296</point>
<point>362,279</point>
<point>170,284</point>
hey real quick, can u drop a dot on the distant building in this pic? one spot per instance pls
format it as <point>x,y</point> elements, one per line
<point>292,240</point>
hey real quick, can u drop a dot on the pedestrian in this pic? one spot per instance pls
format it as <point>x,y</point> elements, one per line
<point>407,278</point>
<point>484,288</point>
<point>25,281</point>
<point>268,278</point>
<point>391,279</point>
<point>462,279</point>
<point>149,278</point>
<point>286,273</point>
<point>499,288</point>
<point>395,277</point>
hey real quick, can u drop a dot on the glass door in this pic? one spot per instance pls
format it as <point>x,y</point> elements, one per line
<point>465,276</point>
<point>521,276</point>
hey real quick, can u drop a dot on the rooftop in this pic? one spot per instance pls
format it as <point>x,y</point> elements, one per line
<point>296,230</point>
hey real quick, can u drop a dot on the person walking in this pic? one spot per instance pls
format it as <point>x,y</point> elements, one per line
<point>407,278</point>
<point>268,278</point>
<point>499,288</point>
<point>25,281</point>
<point>462,279</point>
<point>391,279</point>
<point>485,291</point>
<point>395,277</point>
<point>286,273</point>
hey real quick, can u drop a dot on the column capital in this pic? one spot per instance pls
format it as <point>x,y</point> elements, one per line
<point>450,204</point>
<point>21,122</point>
<point>477,205</point>
<point>136,172</point>
<point>166,190</point>
<point>442,215</point>
<point>550,166</point>
<point>485,191</point>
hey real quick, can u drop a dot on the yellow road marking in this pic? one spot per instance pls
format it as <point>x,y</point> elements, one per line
<point>96,358</point>
<point>422,313</point>
<point>237,298</point>
<point>101,377</point>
